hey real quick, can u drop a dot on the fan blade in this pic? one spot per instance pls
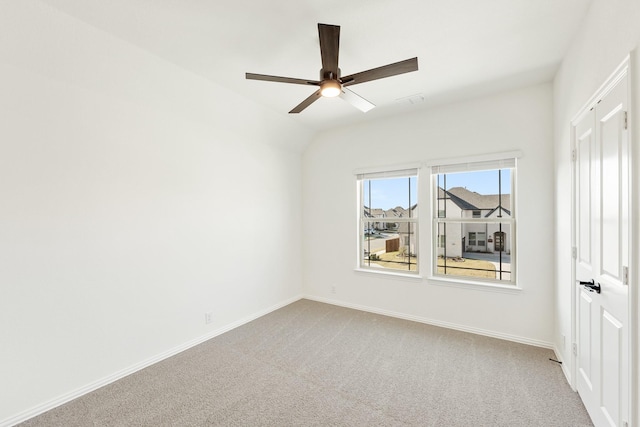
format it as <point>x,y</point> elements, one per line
<point>401,67</point>
<point>304,104</point>
<point>264,77</point>
<point>329,46</point>
<point>356,100</point>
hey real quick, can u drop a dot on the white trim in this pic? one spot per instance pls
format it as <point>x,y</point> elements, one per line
<point>494,220</point>
<point>388,272</point>
<point>387,168</point>
<point>573,371</point>
<point>67,397</point>
<point>380,173</point>
<point>634,243</point>
<point>510,221</point>
<point>488,286</point>
<point>387,219</point>
<point>516,154</point>
<point>397,173</point>
<point>419,319</point>
<point>611,81</point>
<point>563,365</point>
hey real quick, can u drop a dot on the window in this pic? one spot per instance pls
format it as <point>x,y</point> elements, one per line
<point>481,238</point>
<point>474,221</point>
<point>388,221</point>
<point>472,238</point>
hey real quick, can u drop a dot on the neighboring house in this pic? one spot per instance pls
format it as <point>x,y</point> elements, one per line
<point>374,214</point>
<point>407,235</point>
<point>383,220</point>
<point>458,202</point>
<point>390,214</point>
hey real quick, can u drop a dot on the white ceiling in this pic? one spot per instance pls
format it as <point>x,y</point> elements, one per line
<point>465,48</point>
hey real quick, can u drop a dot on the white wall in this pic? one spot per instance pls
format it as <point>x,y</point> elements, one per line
<point>610,31</point>
<point>133,199</point>
<point>516,120</point>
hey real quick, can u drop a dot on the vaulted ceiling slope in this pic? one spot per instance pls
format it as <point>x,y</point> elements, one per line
<point>465,48</point>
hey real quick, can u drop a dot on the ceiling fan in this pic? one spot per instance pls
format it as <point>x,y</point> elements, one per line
<point>331,83</point>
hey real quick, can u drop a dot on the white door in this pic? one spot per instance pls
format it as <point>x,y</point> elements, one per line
<point>602,257</point>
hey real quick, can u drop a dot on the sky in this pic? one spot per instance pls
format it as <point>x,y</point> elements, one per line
<point>391,192</point>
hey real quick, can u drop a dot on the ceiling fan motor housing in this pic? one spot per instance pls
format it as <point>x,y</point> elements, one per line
<point>328,75</point>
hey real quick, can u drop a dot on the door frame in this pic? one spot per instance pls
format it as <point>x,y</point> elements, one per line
<point>625,69</point>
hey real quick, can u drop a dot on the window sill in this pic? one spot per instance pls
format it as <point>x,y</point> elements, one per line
<point>389,274</point>
<point>468,284</point>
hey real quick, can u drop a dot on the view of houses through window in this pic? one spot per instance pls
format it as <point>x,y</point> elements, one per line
<point>388,220</point>
<point>473,222</point>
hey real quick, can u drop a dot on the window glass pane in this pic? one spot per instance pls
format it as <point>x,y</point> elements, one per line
<point>393,250</point>
<point>475,254</point>
<point>472,238</point>
<point>389,237</point>
<point>391,193</point>
<point>478,194</point>
<point>481,182</point>
<point>480,236</point>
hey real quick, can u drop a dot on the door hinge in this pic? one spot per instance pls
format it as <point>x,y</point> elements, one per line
<point>575,349</point>
<point>574,252</point>
<point>573,155</point>
<point>625,275</point>
<point>626,120</point>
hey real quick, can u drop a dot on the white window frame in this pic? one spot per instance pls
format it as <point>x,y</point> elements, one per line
<point>403,171</point>
<point>488,162</point>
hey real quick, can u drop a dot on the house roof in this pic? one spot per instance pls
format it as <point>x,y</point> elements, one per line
<point>373,213</point>
<point>397,212</point>
<point>461,203</point>
<point>463,198</point>
<point>480,201</point>
<point>495,209</point>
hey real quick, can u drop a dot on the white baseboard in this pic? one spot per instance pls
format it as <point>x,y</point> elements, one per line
<point>67,397</point>
<point>565,368</point>
<point>448,325</point>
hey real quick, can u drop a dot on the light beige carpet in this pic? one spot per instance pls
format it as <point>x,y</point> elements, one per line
<point>313,364</point>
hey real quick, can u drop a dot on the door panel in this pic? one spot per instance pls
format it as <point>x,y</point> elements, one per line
<point>610,134</point>
<point>612,361</point>
<point>601,237</point>
<point>585,360</point>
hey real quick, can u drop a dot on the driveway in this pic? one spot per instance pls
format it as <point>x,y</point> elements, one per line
<point>495,257</point>
<point>495,260</point>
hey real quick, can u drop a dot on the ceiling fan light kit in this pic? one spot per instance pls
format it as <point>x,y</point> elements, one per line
<point>330,88</point>
<point>331,83</point>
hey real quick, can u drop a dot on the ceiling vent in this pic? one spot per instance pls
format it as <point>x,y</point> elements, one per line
<point>411,100</point>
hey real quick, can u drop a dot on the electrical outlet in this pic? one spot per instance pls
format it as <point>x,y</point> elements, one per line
<point>207,317</point>
<point>333,289</point>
